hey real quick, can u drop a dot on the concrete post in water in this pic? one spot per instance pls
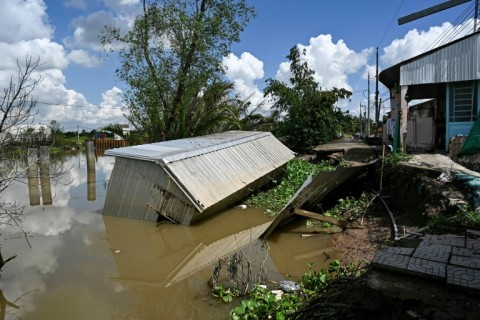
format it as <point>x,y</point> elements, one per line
<point>91,173</point>
<point>33,192</point>
<point>45,183</point>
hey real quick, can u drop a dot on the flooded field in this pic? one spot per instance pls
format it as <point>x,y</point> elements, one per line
<point>80,264</point>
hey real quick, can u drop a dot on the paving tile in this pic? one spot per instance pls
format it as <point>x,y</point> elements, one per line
<point>427,267</point>
<point>390,260</point>
<point>466,261</point>
<point>464,277</point>
<point>443,239</point>
<point>437,252</point>
<point>473,234</point>
<point>399,250</point>
<point>473,244</point>
<point>462,252</point>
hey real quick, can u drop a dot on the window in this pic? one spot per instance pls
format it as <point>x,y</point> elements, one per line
<point>463,102</point>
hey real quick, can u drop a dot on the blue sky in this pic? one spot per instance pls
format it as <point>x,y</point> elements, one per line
<point>79,87</point>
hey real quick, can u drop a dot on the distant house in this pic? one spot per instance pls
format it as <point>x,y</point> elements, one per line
<point>448,74</point>
<point>27,133</point>
<point>187,179</point>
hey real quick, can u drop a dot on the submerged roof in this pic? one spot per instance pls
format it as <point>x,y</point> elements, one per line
<point>210,168</point>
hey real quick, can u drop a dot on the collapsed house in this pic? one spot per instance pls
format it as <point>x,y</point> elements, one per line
<point>186,180</point>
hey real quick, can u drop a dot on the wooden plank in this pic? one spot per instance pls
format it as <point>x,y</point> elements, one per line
<point>317,216</point>
<point>430,10</point>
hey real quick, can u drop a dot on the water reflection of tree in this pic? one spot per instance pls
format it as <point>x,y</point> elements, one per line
<point>4,303</point>
<point>17,168</point>
<point>17,108</point>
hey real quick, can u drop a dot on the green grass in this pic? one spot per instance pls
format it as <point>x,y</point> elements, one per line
<point>465,217</point>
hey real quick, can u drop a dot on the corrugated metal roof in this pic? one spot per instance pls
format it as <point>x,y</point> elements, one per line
<point>454,61</point>
<point>210,168</point>
<point>459,61</point>
<point>174,150</point>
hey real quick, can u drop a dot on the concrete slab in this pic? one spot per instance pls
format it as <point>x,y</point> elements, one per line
<point>453,258</point>
<point>464,277</point>
<point>427,268</point>
<point>473,244</point>
<point>465,261</point>
<point>390,260</point>
<point>437,252</point>
<point>473,234</point>
<point>443,239</point>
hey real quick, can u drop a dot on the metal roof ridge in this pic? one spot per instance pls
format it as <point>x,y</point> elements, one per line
<point>223,145</point>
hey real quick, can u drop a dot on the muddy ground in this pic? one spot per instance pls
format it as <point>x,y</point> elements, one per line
<point>412,194</point>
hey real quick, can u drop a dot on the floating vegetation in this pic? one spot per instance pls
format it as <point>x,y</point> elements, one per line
<point>277,197</point>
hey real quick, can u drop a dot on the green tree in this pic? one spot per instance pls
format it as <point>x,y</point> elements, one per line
<point>310,117</point>
<point>349,124</point>
<point>171,58</point>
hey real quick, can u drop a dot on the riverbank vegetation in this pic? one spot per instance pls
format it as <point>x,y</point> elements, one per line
<point>419,201</point>
<point>265,303</point>
<point>275,198</point>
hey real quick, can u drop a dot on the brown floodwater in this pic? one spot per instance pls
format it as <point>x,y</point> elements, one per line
<point>84,265</point>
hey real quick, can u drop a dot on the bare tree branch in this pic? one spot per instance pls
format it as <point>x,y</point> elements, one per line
<point>17,105</point>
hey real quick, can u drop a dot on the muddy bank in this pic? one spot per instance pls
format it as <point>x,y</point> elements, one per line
<point>415,195</point>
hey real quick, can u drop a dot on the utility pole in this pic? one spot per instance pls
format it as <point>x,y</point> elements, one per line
<point>361,124</point>
<point>367,131</point>
<point>78,134</point>
<point>377,106</point>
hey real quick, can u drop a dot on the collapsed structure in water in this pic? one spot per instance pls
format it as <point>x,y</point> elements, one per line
<point>186,180</point>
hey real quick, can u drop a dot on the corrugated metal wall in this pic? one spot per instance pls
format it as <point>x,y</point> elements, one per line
<point>139,189</point>
<point>459,61</point>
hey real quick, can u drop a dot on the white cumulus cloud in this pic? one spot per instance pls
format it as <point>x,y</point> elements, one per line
<point>87,33</point>
<point>83,58</point>
<point>120,5</point>
<point>416,42</point>
<point>331,62</point>
<point>79,4</point>
<point>244,71</point>
<point>51,54</point>
<point>23,20</point>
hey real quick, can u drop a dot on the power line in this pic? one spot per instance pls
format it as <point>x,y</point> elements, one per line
<point>78,106</point>
<point>452,31</point>
<point>391,22</point>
